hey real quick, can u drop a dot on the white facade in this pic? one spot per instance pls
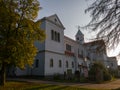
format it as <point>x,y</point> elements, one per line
<point>60,54</point>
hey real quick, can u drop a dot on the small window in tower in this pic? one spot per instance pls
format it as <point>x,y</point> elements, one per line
<point>56,36</point>
<point>77,38</point>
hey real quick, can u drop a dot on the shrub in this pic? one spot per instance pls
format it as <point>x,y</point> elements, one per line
<point>99,73</point>
<point>113,72</point>
<point>83,79</point>
<point>107,76</point>
<point>77,75</point>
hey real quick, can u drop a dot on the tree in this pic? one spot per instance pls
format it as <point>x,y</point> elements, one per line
<point>105,20</point>
<point>18,31</point>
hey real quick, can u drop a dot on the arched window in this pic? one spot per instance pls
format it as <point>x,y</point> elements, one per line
<point>60,63</point>
<point>51,62</point>
<point>66,64</point>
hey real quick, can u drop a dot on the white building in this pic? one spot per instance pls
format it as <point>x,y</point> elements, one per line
<point>60,54</point>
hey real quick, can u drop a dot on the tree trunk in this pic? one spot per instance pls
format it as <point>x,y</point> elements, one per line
<point>3,75</point>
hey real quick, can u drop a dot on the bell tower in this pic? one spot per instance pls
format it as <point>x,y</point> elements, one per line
<point>79,36</point>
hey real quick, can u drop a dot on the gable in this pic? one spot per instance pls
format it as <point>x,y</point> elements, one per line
<point>54,19</point>
<point>79,33</point>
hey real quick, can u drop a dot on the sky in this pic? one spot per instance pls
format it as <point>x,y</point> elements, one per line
<point>71,13</point>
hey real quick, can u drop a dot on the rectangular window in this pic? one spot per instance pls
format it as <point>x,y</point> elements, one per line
<point>68,47</point>
<point>58,37</point>
<point>51,62</point>
<point>36,63</point>
<point>52,34</point>
<point>55,36</point>
<point>78,51</point>
<point>60,63</point>
<point>66,64</point>
<point>72,64</point>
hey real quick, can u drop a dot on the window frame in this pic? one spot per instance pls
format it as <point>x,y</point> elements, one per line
<point>67,65</point>
<point>72,64</point>
<point>36,63</point>
<point>51,63</point>
<point>60,63</point>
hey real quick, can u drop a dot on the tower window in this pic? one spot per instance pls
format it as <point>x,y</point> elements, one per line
<point>52,35</point>
<point>58,37</point>
<point>55,36</point>
<point>77,38</point>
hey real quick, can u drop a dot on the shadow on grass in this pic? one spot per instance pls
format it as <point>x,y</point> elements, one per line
<point>40,87</point>
<point>61,88</point>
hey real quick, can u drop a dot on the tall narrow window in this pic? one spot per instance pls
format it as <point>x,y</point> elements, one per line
<point>55,36</point>
<point>51,62</point>
<point>58,37</point>
<point>72,64</point>
<point>68,47</point>
<point>60,63</point>
<point>66,64</point>
<point>82,52</point>
<point>78,51</point>
<point>36,63</point>
<point>52,34</point>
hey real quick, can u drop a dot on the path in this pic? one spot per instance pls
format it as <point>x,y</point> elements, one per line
<point>111,85</point>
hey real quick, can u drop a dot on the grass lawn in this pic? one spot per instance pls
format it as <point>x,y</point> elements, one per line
<point>35,86</point>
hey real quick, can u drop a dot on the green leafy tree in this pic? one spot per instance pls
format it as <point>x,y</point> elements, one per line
<point>105,20</point>
<point>18,31</point>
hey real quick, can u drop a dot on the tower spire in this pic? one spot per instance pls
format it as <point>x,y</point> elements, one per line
<point>79,36</point>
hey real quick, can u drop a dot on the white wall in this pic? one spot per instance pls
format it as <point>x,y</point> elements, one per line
<point>70,60</point>
<point>55,69</point>
<point>52,45</point>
